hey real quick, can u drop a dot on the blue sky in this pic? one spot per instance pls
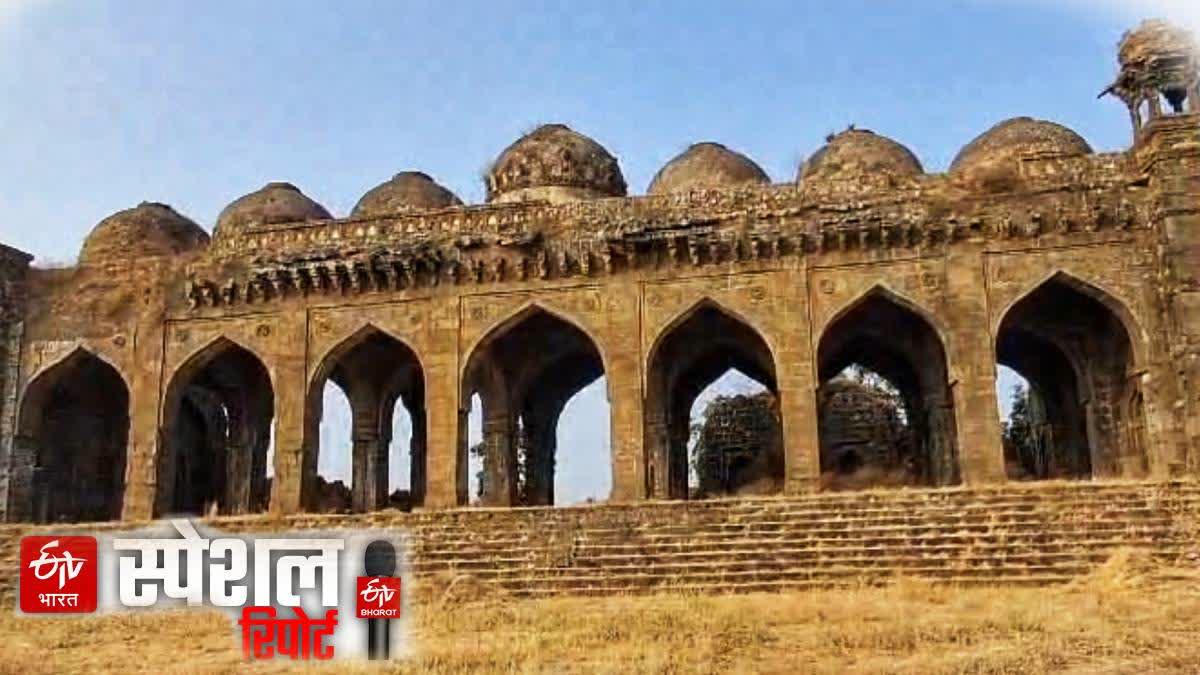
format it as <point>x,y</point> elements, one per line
<point>109,103</point>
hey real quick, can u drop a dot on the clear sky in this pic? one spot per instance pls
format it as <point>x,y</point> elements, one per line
<point>108,103</point>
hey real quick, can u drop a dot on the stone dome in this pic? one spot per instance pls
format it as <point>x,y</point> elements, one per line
<point>406,192</point>
<point>854,153</point>
<point>274,203</point>
<point>1011,139</point>
<point>554,163</point>
<point>706,165</point>
<point>149,229</point>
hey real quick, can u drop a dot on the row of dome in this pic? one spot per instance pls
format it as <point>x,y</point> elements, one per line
<point>554,163</point>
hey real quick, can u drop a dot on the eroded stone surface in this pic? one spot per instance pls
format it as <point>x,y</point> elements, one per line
<point>928,280</point>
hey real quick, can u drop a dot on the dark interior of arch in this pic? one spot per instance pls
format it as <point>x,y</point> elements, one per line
<point>696,352</point>
<point>894,342</point>
<point>78,435</point>
<point>1085,407</point>
<point>219,438</point>
<point>376,372</point>
<point>524,375</point>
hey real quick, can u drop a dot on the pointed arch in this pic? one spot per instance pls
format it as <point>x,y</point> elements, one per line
<point>1078,347</point>
<point>885,291</point>
<point>514,318</point>
<point>43,380</point>
<point>376,370</point>
<point>71,441</point>
<point>1139,340</point>
<point>525,368</point>
<point>340,348</point>
<point>880,359</point>
<point>196,361</point>
<point>217,421</point>
<point>707,302</point>
<point>693,351</point>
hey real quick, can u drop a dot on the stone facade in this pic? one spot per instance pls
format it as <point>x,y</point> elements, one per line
<point>1074,268</point>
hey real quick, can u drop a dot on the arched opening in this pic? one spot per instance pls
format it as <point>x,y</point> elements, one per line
<point>72,437</point>
<point>219,410</point>
<point>366,390</point>
<point>739,446</point>
<point>1080,412</point>
<point>886,410</point>
<point>524,374</point>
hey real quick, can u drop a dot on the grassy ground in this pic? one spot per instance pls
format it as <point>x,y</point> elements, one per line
<point>1120,620</point>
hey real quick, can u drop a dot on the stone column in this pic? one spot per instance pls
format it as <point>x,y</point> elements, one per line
<point>499,466</point>
<point>658,446</point>
<point>370,451</point>
<point>446,429</point>
<point>293,442</point>
<point>623,371</point>
<point>416,445</point>
<point>971,365</point>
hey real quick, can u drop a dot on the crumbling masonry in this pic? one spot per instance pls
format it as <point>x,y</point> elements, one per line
<point>156,375</point>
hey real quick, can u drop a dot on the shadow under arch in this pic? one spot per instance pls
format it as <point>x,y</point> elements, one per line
<point>693,351</point>
<point>218,411</point>
<point>1078,348</point>
<point>71,442</point>
<point>524,369</point>
<point>375,370</point>
<point>883,333</point>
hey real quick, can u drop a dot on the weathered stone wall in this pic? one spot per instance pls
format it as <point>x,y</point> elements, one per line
<point>13,269</point>
<point>785,261</point>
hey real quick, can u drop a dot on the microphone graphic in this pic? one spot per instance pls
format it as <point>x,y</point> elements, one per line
<point>379,561</point>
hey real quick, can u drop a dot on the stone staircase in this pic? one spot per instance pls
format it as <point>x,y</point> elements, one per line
<point>1013,534</point>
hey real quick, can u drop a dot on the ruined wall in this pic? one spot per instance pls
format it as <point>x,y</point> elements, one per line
<point>13,269</point>
<point>786,262</point>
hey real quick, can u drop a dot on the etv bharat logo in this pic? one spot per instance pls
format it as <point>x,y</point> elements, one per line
<point>378,598</point>
<point>58,575</point>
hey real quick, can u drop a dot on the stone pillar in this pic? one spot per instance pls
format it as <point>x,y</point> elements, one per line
<point>417,445</point>
<point>370,450</point>
<point>446,428</point>
<point>541,425</point>
<point>1169,151</point>
<point>971,365</point>
<point>658,445</point>
<point>294,443</point>
<point>623,372</point>
<point>500,487</point>
<point>798,384</point>
<point>237,468</point>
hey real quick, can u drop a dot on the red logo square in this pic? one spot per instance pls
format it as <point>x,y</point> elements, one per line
<point>58,575</point>
<point>378,597</point>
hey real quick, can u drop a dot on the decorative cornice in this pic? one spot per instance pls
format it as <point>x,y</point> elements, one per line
<point>539,242</point>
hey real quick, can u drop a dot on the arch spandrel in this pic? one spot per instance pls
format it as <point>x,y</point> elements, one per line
<point>46,357</point>
<point>410,322</point>
<point>850,296</point>
<point>770,303</point>
<point>655,341</point>
<point>487,317</point>
<point>181,372</point>
<point>343,339</point>
<point>49,371</point>
<point>269,338</point>
<point>1011,294</point>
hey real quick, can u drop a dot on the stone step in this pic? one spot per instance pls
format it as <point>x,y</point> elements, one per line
<point>798,555</point>
<point>881,534</point>
<point>824,577</point>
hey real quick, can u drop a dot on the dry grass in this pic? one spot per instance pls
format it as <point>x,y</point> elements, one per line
<point>1119,620</point>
